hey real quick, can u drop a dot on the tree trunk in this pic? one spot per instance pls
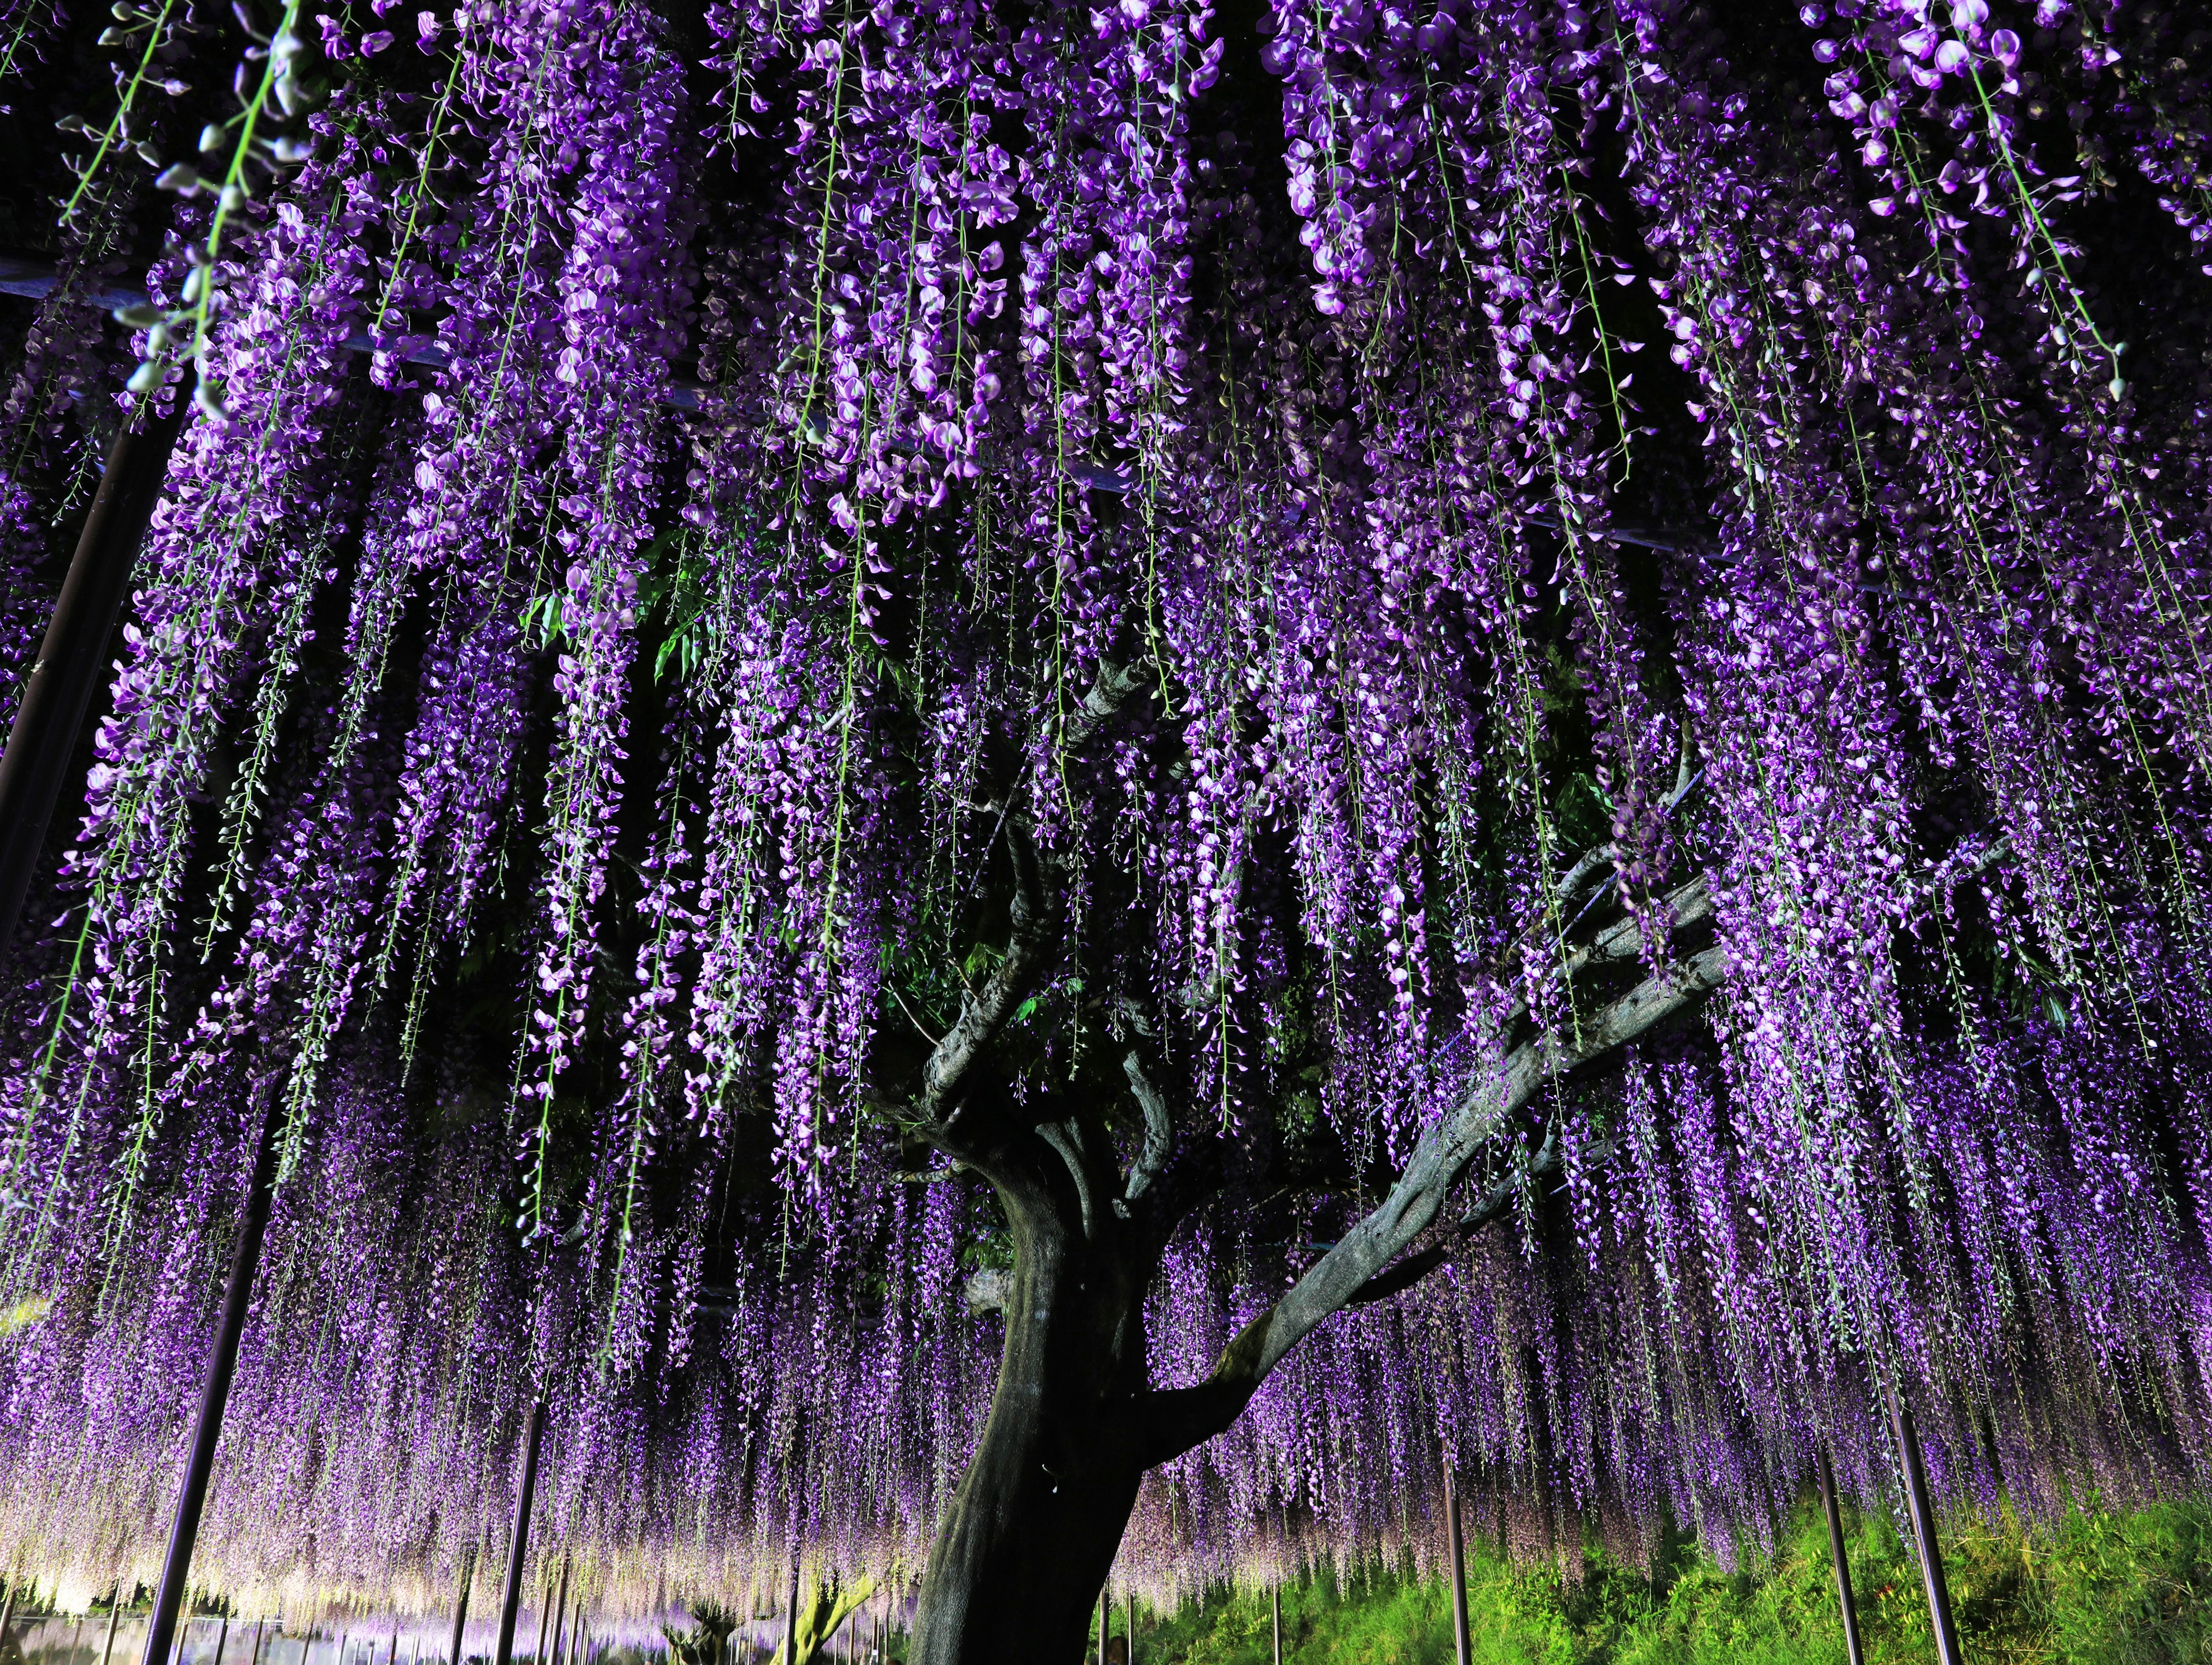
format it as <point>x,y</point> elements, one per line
<point>1024,1550</point>
<point>1074,1422</point>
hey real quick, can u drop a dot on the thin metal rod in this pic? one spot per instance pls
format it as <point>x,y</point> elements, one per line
<point>560,1612</point>
<point>791,1624</point>
<point>545,1620</point>
<point>221,1639</point>
<point>73,656</point>
<point>259,1626</point>
<point>114,1613</point>
<point>1275,1616</point>
<point>461,1606</point>
<point>519,1546</point>
<point>1462,1637</point>
<point>1923,1529</point>
<point>1844,1599</point>
<point>1102,1625</point>
<point>215,1391</point>
<point>1129,1626</point>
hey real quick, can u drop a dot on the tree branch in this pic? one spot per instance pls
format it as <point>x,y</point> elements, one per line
<point>1181,1417</point>
<point>1405,1273</point>
<point>1033,930</point>
<point>1159,1131</point>
<point>1113,687</point>
<point>985,1014</point>
<point>1687,907</point>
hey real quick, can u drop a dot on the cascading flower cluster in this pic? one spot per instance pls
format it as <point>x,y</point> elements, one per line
<point>1409,529</point>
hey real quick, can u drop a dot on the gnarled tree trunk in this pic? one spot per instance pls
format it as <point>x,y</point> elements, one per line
<point>1074,1420</point>
<point>1035,1526</point>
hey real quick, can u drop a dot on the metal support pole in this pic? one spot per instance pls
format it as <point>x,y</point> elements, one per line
<point>259,1626</point>
<point>791,1624</point>
<point>58,690</point>
<point>518,1546</point>
<point>545,1620</point>
<point>1102,1625</point>
<point>215,1391</point>
<point>1462,1637</point>
<point>1842,1564</point>
<point>461,1606</point>
<point>1923,1529</point>
<point>114,1613</point>
<point>221,1639</point>
<point>1275,1618</point>
<point>559,1612</point>
<point>1129,1626</point>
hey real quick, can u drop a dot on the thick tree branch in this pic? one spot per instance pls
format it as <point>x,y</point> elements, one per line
<point>1404,1274</point>
<point>1159,1132</point>
<point>985,1012</point>
<point>1034,925</point>
<point>1180,1419</point>
<point>1113,688</point>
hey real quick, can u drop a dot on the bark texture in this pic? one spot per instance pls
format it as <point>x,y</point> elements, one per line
<point>1035,1526</point>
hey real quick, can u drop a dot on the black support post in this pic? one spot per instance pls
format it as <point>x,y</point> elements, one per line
<point>114,1613</point>
<point>214,1392</point>
<point>1462,1637</point>
<point>461,1606</point>
<point>791,1624</point>
<point>58,690</point>
<point>1844,1599</point>
<point>1923,1529</point>
<point>518,1546</point>
<point>559,1613</point>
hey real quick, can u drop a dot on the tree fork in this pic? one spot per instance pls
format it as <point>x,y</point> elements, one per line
<point>1074,1422</point>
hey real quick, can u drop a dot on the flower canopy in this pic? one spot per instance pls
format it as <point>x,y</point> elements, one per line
<point>1420,518</point>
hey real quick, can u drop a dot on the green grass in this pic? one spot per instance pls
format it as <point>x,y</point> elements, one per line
<point>2131,1589</point>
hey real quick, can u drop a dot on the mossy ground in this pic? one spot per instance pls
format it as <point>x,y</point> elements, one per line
<point>2132,1589</point>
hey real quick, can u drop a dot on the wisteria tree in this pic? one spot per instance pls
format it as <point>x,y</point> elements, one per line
<point>1472,734</point>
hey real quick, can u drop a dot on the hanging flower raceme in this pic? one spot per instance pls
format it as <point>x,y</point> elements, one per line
<point>233,557</point>
<point>615,105</point>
